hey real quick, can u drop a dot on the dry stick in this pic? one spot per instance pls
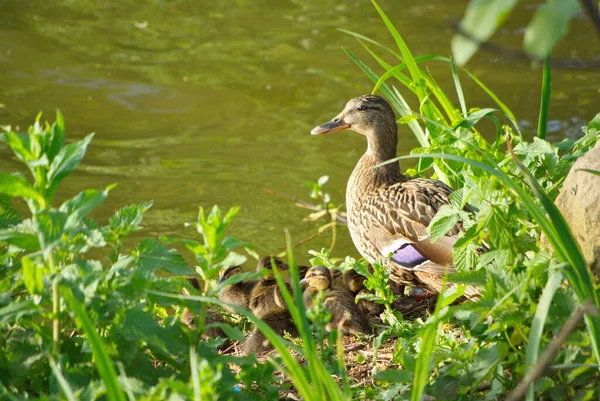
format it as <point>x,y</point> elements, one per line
<point>591,7</point>
<point>519,55</point>
<point>548,356</point>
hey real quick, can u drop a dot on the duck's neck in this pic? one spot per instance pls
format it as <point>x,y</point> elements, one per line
<point>366,177</point>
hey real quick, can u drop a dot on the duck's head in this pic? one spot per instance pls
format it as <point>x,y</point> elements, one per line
<point>367,114</point>
<point>318,277</point>
<point>265,264</point>
<point>230,272</point>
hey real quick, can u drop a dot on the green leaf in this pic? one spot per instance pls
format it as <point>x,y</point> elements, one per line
<point>16,310</point>
<point>82,204</point>
<point>65,162</point>
<point>481,20</point>
<point>101,357</point>
<point>18,186</point>
<point>128,219</point>
<point>57,136</point>
<point>20,145</point>
<point>232,332</point>
<point>26,241</point>
<point>443,221</point>
<point>33,276</point>
<point>50,226</point>
<point>8,215</point>
<point>152,255</point>
<point>549,24</point>
<point>474,117</point>
<point>394,375</point>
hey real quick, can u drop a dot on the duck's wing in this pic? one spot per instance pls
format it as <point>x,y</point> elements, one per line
<point>398,218</point>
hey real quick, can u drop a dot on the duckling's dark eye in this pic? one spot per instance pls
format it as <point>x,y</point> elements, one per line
<point>362,107</point>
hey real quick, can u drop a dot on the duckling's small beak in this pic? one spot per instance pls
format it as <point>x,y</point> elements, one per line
<point>303,283</point>
<point>337,124</point>
<point>221,279</point>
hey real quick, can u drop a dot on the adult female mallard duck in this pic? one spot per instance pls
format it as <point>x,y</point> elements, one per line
<point>388,212</point>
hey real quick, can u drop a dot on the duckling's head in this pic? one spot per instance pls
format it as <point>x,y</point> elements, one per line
<point>319,277</point>
<point>369,115</point>
<point>354,281</point>
<point>230,272</point>
<point>265,264</point>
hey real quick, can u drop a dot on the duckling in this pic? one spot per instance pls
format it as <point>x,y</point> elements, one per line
<point>212,316</point>
<point>265,295</point>
<point>239,293</point>
<point>337,279</point>
<point>356,284</point>
<point>280,321</point>
<point>339,303</point>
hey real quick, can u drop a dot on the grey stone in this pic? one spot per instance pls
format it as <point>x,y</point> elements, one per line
<point>579,202</point>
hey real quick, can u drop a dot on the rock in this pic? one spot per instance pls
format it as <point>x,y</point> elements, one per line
<point>579,202</point>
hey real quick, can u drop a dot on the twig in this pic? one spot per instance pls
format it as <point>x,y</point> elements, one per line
<point>548,356</point>
<point>519,55</point>
<point>591,7</point>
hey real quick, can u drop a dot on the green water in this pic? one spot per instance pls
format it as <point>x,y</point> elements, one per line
<point>201,103</point>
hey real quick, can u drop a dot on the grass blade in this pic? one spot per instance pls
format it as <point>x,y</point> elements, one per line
<point>103,363</point>
<point>537,326</point>
<point>545,102</point>
<point>64,384</point>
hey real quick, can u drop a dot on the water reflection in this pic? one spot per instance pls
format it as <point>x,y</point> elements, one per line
<point>201,103</point>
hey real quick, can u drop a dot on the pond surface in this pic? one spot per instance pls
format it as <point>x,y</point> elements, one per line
<point>201,103</point>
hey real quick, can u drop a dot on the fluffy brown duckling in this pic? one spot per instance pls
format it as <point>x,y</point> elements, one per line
<point>239,293</point>
<point>339,302</point>
<point>356,284</point>
<point>265,296</point>
<point>280,321</point>
<point>189,318</point>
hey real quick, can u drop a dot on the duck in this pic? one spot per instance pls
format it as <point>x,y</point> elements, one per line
<point>265,296</point>
<point>356,284</point>
<point>212,316</point>
<point>388,212</point>
<point>339,302</point>
<point>239,293</point>
<point>280,321</point>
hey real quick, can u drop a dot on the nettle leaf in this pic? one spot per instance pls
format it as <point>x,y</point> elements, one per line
<point>152,255</point>
<point>33,276</point>
<point>50,226</point>
<point>8,215</point>
<point>16,310</point>
<point>230,331</point>
<point>127,219</point>
<point>444,220</point>
<point>18,186</point>
<point>65,162</point>
<point>20,145</point>
<point>26,241</point>
<point>56,137</point>
<point>82,204</point>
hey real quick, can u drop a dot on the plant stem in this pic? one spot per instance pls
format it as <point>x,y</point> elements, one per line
<point>55,310</point>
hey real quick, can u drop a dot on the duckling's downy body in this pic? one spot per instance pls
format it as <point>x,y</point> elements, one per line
<point>339,302</point>
<point>265,296</point>
<point>239,293</point>
<point>212,316</point>
<point>355,283</point>
<point>388,212</point>
<point>280,321</point>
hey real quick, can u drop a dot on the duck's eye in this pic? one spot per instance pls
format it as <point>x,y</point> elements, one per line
<point>362,107</point>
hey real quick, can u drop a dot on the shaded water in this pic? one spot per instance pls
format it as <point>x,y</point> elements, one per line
<point>201,103</point>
